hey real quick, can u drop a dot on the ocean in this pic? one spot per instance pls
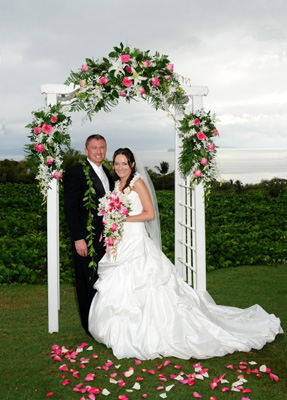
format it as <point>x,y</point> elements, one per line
<point>245,165</point>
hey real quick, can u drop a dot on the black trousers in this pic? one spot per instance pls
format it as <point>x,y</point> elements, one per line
<point>85,277</point>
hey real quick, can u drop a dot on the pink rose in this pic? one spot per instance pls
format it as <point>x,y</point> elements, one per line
<point>123,94</point>
<point>196,122</point>
<point>85,68</point>
<point>110,241</point>
<point>170,67</point>
<point>200,136</point>
<point>127,82</point>
<point>114,227</point>
<point>54,119</point>
<point>146,63</point>
<point>125,211</point>
<point>125,58</point>
<point>204,161</point>
<point>167,77</point>
<point>40,148</point>
<point>211,146</point>
<point>198,173</point>
<point>142,91</point>
<point>47,128</point>
<point>57,175</point>
<point>103,80</point>
<point>129,70</point>
<point>155,81</point>
<point>37,129</point>
<point>215,133</point>
<point>50,160</point>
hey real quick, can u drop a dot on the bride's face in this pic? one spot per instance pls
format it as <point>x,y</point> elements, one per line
<point>121,166</point>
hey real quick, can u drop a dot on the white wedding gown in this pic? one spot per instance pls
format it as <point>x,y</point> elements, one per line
<point>144,309</point>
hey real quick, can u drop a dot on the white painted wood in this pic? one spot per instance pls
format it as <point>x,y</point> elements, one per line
<point>55,93</point>
<point>53,245</point>
<point>190,258</point>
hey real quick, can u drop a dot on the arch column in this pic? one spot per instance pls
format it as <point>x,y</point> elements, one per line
<point>54,94</point>
<point>190,248</point>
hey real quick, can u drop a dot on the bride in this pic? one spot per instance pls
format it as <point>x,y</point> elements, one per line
<point>144,309</point>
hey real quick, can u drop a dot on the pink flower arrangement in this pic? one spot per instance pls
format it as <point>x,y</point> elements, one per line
<point>200,136</point>
<point>155,81</point>
<point>170,67</point>
<point>127,82</point>
<point>54,119</point>
<point>167,77</point>
<point>125,58</point>
<point>204,161</point>
<point>122,94</point>
<point>103,80</point>
<point>47,128</point>
<point>39,147</point>
<point>128,69</point>
<point>215,133</point>
<point>142,91</point>
<point>85,68</point>
<point>114,207</point>
<point>196,122</point>
<point>37,129</point>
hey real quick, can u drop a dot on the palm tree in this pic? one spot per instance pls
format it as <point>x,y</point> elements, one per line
<point>163,170</point>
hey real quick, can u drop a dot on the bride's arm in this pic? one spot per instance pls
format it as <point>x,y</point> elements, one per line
<point>148,211</point>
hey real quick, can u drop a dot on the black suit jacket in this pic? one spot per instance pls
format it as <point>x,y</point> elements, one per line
<point>75,187</point>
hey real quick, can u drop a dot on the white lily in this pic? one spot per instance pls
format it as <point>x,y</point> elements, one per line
<point>117,66</point>
<point>137,78</point>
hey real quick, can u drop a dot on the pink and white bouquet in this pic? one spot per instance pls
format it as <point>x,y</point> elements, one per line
<point>114,207</point>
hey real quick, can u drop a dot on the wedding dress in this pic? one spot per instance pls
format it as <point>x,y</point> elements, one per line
<point>144,309</point>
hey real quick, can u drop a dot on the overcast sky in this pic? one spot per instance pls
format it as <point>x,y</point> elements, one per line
<point>235,48</point>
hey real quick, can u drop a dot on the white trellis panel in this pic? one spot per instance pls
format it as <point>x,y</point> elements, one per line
<point>190,258</point>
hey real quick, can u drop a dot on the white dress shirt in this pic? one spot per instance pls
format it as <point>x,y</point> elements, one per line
<point>102,175</point>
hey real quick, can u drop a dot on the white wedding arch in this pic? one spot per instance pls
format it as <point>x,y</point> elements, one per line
<point>98,85</point>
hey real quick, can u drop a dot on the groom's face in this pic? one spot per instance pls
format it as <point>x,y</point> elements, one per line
<point>96,151</point>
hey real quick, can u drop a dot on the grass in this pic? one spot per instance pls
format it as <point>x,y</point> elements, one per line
<point>27,371</point>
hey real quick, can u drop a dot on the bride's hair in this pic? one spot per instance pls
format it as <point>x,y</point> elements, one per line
<point>131,161</point>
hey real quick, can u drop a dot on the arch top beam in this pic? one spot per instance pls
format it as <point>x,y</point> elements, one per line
<point>63,93</point>
<point>196,90</point>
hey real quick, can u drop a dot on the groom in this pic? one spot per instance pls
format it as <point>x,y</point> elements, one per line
<point>75,187</point>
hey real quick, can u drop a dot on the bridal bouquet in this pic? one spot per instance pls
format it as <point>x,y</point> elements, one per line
<point>114,207</point>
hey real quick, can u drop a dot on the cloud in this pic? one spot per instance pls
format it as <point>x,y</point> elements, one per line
<point>237,49</point>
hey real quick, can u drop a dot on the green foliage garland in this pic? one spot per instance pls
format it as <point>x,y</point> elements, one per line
<point>89,204</point>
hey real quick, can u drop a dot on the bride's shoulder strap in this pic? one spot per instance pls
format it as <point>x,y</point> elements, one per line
<point>135,178</point>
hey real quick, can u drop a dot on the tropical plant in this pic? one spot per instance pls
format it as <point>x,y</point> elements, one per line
<point>163,170</point>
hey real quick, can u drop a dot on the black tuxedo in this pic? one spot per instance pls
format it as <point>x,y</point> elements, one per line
<point>75,186</point>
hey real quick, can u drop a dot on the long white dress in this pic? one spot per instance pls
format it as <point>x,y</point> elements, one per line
<point>144,309</point>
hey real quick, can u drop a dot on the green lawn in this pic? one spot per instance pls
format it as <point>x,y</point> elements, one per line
<point>27,371</point>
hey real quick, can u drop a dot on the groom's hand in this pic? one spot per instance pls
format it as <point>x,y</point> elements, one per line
<point>81,247</point>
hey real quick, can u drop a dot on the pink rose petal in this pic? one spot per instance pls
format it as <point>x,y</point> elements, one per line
<point>49,394</point>
<point>151,371</point>
<point>225,389</point>
<point>166,363</point>
<point>139,378</point>
<point>229,366</point>
<point>213,385</point>
<point>137,362</point>
<point>197,395</point>
<point>275,377</point>
<point>66,382</point>
<point>160,388</point>
<point>144,396</point>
